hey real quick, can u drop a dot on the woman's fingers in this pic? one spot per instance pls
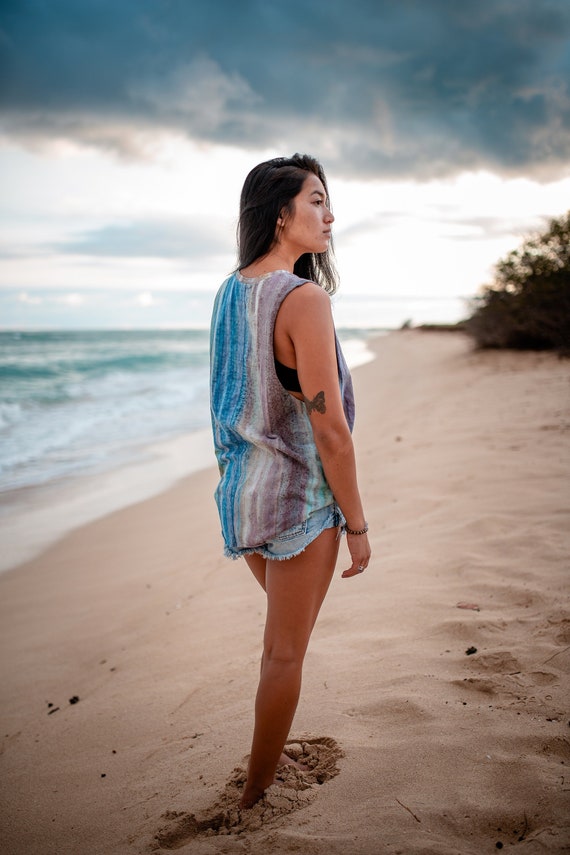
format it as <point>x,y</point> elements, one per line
<point>360,552</point>
<point>353,571</point>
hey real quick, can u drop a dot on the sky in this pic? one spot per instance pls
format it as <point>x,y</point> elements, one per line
<point>127,129</point>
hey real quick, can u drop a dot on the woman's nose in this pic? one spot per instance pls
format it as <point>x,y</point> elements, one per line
<point>329,216</point>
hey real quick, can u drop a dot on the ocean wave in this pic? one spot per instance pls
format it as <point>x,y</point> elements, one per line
<point>10,414</point>
<point>73,402</point>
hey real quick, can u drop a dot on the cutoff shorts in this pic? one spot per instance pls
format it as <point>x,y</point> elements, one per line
<point>295,540</point>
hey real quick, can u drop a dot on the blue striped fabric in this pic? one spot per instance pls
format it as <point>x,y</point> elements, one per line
<point>271,477</point>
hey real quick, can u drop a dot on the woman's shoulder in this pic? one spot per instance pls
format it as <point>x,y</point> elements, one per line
<point>308,294</point>
<point>306,306</point>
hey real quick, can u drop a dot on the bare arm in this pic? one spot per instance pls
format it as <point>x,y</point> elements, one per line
<point>305,317</point>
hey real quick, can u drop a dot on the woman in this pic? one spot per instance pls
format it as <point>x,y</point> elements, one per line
<point>282,415</point>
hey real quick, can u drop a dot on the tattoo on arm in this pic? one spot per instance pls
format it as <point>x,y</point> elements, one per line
<point>318,403</point>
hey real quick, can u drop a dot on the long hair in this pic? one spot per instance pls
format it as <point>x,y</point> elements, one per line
<point>268,190</point>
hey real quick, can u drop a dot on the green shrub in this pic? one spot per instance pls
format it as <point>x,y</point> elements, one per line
<point>528,304</point>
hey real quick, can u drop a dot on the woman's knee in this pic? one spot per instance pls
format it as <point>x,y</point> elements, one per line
<point>285,652</point>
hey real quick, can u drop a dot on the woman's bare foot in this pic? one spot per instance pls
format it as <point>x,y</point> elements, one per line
<point>285,760</point>
<point>250,797</point>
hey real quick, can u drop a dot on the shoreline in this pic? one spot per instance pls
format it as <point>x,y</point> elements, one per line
<point>422,746</point>
<point>34,518</point>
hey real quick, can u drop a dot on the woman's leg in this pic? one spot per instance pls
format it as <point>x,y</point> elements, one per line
<point>257,565</point>
<point>295,591</point>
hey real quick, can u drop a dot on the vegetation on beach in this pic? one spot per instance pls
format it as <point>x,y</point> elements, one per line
<point>528,304</point>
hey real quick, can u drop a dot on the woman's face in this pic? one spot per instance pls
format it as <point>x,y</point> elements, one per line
<point>308,227</point>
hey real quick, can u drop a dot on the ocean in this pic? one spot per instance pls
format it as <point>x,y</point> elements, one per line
<point>84,402</point>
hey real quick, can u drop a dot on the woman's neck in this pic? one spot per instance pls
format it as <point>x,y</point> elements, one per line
<point>274,260</point>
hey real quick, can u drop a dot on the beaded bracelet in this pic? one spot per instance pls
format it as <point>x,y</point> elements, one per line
<point>356,531</point>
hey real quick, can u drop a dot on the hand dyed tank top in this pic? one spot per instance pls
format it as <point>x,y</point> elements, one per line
<point>271,476</point>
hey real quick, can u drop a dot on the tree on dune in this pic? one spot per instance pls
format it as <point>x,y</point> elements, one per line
<point>528,304</point>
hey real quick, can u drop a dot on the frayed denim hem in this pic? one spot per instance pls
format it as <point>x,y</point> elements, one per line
<point>260,550</point>
<point>292,543</point>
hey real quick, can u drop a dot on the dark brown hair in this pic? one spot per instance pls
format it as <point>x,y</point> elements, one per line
<point>268,190</point>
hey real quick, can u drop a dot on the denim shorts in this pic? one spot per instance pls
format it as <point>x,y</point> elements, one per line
<point>295,540</point>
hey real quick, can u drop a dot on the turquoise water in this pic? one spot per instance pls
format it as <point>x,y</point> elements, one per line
<point>73,402</point>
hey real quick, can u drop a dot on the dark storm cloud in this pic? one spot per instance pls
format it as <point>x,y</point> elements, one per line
<point>376,87</point>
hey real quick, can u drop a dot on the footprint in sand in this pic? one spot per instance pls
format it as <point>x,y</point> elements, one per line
<point>293,789</point>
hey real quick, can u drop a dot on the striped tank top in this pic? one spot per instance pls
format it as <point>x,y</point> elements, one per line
<point>271,476</point>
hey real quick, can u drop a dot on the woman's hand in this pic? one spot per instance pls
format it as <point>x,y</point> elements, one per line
<point>360,552</point>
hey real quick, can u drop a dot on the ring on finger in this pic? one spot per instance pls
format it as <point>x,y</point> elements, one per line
<point>361,568</point>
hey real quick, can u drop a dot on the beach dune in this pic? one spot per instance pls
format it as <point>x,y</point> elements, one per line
<point>434,711</point>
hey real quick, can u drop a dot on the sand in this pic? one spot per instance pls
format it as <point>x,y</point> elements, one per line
<point>434,712</point>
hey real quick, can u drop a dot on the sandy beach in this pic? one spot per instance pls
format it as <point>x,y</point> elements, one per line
<point>434,712</point>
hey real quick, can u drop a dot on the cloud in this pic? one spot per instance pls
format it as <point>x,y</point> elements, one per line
<point>370,225</point>
<point>29,299</point>
<point>453,224</point>
<point>474,227</point>
<point>72,299</point>
<point>375,88</point>
<point>103,309</point>
<point>145,300</point>
<point>169,239</point>
<point>18,250</point>
<point>196,95</point>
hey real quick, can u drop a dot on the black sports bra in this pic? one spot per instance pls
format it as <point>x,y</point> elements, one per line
<point>288,377</point>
